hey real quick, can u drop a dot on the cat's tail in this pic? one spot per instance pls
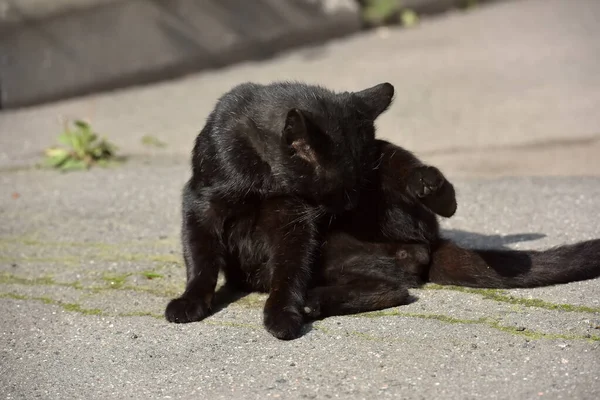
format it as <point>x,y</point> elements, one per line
<point>453,265</point>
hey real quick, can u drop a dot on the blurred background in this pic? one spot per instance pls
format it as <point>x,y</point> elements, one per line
<point>484,88</point>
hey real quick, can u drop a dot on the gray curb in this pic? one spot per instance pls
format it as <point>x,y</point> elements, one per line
<point>116,44</point>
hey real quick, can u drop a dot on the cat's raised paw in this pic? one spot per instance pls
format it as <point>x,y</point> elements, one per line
<point>425,181</point>
<point>184,310</point>
<point>285,325</point>
<point>433,190</point>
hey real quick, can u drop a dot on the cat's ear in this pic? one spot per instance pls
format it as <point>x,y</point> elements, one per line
<point>296,135</point>
<point>376,99</point>
<point>295,127</point>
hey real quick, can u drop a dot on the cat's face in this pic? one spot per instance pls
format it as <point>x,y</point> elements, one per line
<point>333,147</point>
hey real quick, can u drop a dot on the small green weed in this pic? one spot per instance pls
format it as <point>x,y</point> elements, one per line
<point>379,12</point>
<point>409,18</point>
<point>83,149</point>
<point>383,12</point>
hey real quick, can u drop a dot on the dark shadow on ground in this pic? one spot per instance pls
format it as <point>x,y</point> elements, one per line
<point>473,240</point>
<point>226,295</point>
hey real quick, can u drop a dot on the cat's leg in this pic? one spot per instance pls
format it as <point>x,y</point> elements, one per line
<point>362,296</point>
<point>204,256</point>
<point>366,282</point>
<point>400,168</point>
<point>291,228</point>
<point>430,186</point>
<point>369,284</point>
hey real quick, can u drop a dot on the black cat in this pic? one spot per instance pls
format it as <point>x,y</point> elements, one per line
<point>270,162</point>
<point>391,241</point>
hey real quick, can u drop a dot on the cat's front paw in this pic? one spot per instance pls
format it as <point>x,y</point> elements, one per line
<point>285,325</point>
<point>184,310</point>
<point>430,186</point>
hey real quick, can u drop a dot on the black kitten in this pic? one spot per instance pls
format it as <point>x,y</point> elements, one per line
<point>391,241</point>
<point>269,163</point>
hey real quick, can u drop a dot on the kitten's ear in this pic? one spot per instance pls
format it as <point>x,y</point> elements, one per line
<point>296,136</point>
<point>376,99</point>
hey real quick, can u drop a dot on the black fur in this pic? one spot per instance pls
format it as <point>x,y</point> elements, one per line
<point>291,194</point>
<point>397,208</point>
<point>270,162</point>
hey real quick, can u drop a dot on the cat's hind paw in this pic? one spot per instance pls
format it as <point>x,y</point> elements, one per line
<point>184,310</point>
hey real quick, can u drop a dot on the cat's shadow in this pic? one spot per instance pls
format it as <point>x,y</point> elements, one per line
<point>227,295</point>
<point>472,240</point>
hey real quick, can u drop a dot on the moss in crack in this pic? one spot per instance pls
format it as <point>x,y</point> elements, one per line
<point>10,279</point>
<point>168,292</point>
<point>79,309</point>
<point>140,314</point>
<point>47,300</point>
<point>71,260</point>
<point>151,275</point>
<point>481,321</point>
<point>252,300</point>
<point>119,284</point>
<point>115,281</point>
<point>66,260</point>
<point>502,297</point>
<point>32,240</point>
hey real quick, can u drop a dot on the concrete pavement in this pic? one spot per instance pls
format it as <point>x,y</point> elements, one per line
<point>88,260</point>
<point>82,318</point>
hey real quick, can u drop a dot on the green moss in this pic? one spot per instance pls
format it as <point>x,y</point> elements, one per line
<point>115,281</point>
<point>67,260</point>
<point>502,297</point>
<point>252,300</point>
<point>140,314</point>
<point>167,292</point>
<point>14,296</point>
<point>31,240</point>
<point>77,308</point>
<point>47,300</point>
<point>151,275</point>
<point>74,307</point>
<point>481,321</point>
<point>376,12</point>
<point>10,279</point>
<point>119,284</point>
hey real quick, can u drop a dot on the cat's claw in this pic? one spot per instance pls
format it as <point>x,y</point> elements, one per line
<point>285,325</point>
<point>184,310</point>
